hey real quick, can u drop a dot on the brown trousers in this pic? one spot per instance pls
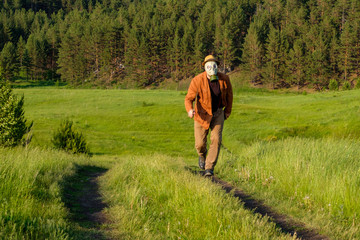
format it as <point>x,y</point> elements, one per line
<point>216,127</point>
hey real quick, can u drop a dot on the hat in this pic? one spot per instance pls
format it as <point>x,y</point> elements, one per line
<point>209,58</point>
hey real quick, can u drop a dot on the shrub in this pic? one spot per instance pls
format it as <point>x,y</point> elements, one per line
<point>357,86</point>
<point>66,138</point>
<point>346,86</point>
<point>333,85</point>
<point>12,121</point>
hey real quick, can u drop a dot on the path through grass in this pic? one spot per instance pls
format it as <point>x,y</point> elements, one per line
<point>82,197</point>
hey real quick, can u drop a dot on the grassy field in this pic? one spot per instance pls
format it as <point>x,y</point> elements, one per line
<point>298,153</point>
<point>31,194</point>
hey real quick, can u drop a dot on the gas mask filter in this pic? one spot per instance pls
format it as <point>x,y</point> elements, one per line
<point>211,69</point>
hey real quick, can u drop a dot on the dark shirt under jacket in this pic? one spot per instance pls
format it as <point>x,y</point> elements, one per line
<point>215,95</point>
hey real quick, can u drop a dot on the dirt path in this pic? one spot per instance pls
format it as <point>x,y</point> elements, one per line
<point>82,198</point>
<point>285,223</point>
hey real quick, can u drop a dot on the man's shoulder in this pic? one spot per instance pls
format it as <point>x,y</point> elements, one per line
<point>223,76</point>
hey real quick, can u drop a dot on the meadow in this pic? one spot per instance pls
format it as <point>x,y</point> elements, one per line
<point>296,152</point>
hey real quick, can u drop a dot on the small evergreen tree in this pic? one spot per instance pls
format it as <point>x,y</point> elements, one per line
<point>346,85</point>
<point>66,138</point>
<point>333,85</point>
<point>12,121</point>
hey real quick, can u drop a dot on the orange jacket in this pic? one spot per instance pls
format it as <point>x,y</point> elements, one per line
<point>199,88</point>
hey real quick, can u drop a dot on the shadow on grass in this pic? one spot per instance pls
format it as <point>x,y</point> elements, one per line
<point>81,196</point>
<point>285,223</point>
<point>34,84</point>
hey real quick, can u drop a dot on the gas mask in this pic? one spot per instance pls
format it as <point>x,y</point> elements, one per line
<point>211,69</point>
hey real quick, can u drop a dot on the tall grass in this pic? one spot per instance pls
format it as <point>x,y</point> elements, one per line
<point>314,180</point>
<point>30,193</point>
<point>153,197</point>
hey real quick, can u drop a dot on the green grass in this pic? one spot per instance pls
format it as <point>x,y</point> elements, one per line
<point>296,152</point>
<point>269,116</point>
<point>152,197</point>
<point>113,121</point>
<point>31,193</point>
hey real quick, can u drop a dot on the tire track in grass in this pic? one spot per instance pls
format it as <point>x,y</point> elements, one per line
<point>284,222</point>
<point>81,196</point>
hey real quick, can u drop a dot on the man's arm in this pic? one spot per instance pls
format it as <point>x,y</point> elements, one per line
<point>190,98</point>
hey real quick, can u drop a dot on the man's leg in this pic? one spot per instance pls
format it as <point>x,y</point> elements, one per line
<point>216,127</point>
<point>200,140</point>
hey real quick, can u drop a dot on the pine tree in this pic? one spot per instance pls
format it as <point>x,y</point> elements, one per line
<point>156,50</point>
<point>72,62</point>
<point>21,46</point>
<point>237,25</point>
<point>130,54</point>
<point>53,41</point>
<point>227,51</point>
<point>38,49</point>
<point>253,54</point>
<point>175,56</point>
<point>346,53</point>
<point>187,50</point>
<point>9,61</point>
<point>18,4</point>
<point>200,48</point>
<point>296,64</point>
<point>13,125</point>
<point>143,67</point>
<point>273,55</point>
<point>333,55</point>
<point>26,63</point>
<point>318,64</point>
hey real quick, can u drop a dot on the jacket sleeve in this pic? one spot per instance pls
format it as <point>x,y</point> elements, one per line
<point>229,98</point>
<point>190,96</point>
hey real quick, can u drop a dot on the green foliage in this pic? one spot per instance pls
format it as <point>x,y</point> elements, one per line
<point>333,85</point>
<point>66,138</point>
<point>143,43</point>
<point>8,61</point>
<point>12,121</point>
<point>252,54</point>
<point>357,85</point>
<point>346,85</point>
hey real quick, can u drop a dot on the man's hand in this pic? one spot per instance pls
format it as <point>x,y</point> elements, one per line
<point>191,113</point>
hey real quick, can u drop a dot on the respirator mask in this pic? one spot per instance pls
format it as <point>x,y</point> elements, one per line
<point>211,69</point>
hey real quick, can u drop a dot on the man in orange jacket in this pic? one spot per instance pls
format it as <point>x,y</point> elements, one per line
<point>214,97</point>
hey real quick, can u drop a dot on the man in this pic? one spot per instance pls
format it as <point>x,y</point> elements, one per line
<point>213,93</point>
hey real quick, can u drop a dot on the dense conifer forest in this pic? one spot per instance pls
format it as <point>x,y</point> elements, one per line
<point>281,43</point>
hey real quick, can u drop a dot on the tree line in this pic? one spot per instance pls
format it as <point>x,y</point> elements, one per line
<point>297,43</point>
<point>142,42</point>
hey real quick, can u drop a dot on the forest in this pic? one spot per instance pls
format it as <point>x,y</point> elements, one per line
<point>140,43</point>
